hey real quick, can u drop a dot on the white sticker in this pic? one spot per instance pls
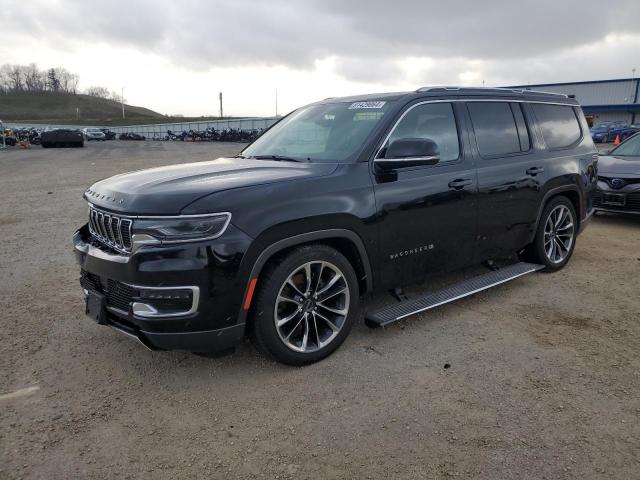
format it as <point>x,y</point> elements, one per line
<point>357,105</point>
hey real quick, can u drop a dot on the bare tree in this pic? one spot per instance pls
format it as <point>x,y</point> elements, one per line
<point>99,92</point>
<point>116,97</point>
<point>67,82</point>
<point>5,80</point>
<point>73,83</point>
<point>16,78</point>
<point>33,78</point>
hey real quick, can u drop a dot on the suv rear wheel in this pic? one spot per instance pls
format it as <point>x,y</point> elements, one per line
<point>556,235</point>
<point>306,305</point>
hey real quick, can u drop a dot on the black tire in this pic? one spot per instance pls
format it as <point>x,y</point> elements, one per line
<point>264,333</point>
<point>45,145</point>
<point>536,252</point>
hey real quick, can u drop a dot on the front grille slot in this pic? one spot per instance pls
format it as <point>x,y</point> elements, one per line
<point>110,229</point>
<point>117,294</point>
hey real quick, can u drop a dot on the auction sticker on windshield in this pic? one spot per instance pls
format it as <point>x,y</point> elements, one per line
<point>356,105</point>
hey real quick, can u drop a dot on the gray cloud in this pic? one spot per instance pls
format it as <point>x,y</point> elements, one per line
<point>367,37</point>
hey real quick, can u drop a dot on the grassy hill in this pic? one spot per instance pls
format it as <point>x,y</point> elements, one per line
<point>60,108</point>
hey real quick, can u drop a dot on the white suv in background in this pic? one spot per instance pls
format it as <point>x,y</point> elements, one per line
<point>93,134</point>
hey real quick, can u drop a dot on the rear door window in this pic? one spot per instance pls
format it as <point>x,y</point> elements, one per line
<point>495,128</point>
<point>558,124</point>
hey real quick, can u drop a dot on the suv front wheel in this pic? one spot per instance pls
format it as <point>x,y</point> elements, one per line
<point>306,305</point>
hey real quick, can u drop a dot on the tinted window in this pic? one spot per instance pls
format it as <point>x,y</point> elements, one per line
<point>495,128</point>
<point>434,121</point>
<point>558,123</point>
<point>322,132</point>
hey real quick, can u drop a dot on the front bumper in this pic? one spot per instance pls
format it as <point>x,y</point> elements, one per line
<point>626,200</point>
<point>202,341</point>
<point>205,319</point>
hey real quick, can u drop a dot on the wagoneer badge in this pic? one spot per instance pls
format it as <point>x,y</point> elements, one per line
<point>411,251</point>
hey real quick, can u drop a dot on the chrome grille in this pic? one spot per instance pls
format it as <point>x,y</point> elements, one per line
<point>110,229</point>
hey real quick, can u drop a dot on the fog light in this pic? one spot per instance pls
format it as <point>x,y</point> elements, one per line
<point>155,302</point>
<point>166,294</point>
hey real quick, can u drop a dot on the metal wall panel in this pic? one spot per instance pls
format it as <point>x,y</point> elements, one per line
<point>611,117</point>
<point>616,92</point>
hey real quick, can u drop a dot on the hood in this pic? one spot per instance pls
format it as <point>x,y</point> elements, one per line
<point>167,190</point>
<point>611,165</point>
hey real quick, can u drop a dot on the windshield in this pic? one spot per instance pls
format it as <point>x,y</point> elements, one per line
<point>603,125</point>
<point>630,148</point>
<point>324,133</point>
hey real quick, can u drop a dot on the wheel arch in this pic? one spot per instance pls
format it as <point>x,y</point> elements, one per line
<point>572,192</point>
<point>345,241</point>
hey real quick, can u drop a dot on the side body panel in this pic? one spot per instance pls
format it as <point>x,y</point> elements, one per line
<point>510,193</point>
<point>424,225</point>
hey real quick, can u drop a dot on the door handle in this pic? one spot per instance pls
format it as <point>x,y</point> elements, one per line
<point>460,183</point>
<point>533,171</point>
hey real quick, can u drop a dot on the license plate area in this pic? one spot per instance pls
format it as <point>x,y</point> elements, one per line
<point>614,199</point>
<point>96,307</point>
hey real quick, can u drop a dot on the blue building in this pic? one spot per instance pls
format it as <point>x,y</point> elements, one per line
<point>601,100</point>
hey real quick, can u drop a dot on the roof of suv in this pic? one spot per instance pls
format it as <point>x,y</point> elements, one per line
<point>513,93</point>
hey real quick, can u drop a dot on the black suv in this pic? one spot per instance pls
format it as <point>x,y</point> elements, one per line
<point>339,198</point>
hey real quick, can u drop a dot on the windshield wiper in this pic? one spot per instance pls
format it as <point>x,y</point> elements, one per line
<point>277,158</point>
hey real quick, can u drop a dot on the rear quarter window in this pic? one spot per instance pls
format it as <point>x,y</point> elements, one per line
<point>558,124</point>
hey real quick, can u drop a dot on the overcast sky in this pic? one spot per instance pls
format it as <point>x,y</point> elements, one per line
<point>174,56</point>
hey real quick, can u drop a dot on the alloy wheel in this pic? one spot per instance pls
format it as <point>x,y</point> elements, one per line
<point>558,234</point>
<point>312,306</point>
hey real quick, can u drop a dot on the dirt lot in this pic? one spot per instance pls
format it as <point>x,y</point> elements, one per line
<point>543,378</point>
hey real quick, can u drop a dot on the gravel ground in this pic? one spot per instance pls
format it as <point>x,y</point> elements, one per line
<point>536,379</point>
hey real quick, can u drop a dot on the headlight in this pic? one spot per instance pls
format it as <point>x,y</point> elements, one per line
<point>183,228</point>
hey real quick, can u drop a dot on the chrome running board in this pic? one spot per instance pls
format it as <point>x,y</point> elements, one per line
<point>398,311</point>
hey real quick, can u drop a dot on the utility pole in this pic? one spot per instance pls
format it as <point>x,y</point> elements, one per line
<point>635,94</point>
<point>122,101</point>
<point>220,98</point>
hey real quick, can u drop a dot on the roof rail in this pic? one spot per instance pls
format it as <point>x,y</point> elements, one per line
<point>486,89</point>
<point>547,93</point>
<point>429,89</point>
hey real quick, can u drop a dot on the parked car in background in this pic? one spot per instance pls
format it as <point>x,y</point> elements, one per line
<point>619,179</point>
<point>131,136</point>
<point>605,132</point>
<point>622,130</point>
<point>93,134</point>
<point>62,137</point>
<point>108,134</point>
<point>633,129</point>
<point>340,198</point>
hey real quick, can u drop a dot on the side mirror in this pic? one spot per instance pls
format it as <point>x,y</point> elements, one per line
<point>409,152</point>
